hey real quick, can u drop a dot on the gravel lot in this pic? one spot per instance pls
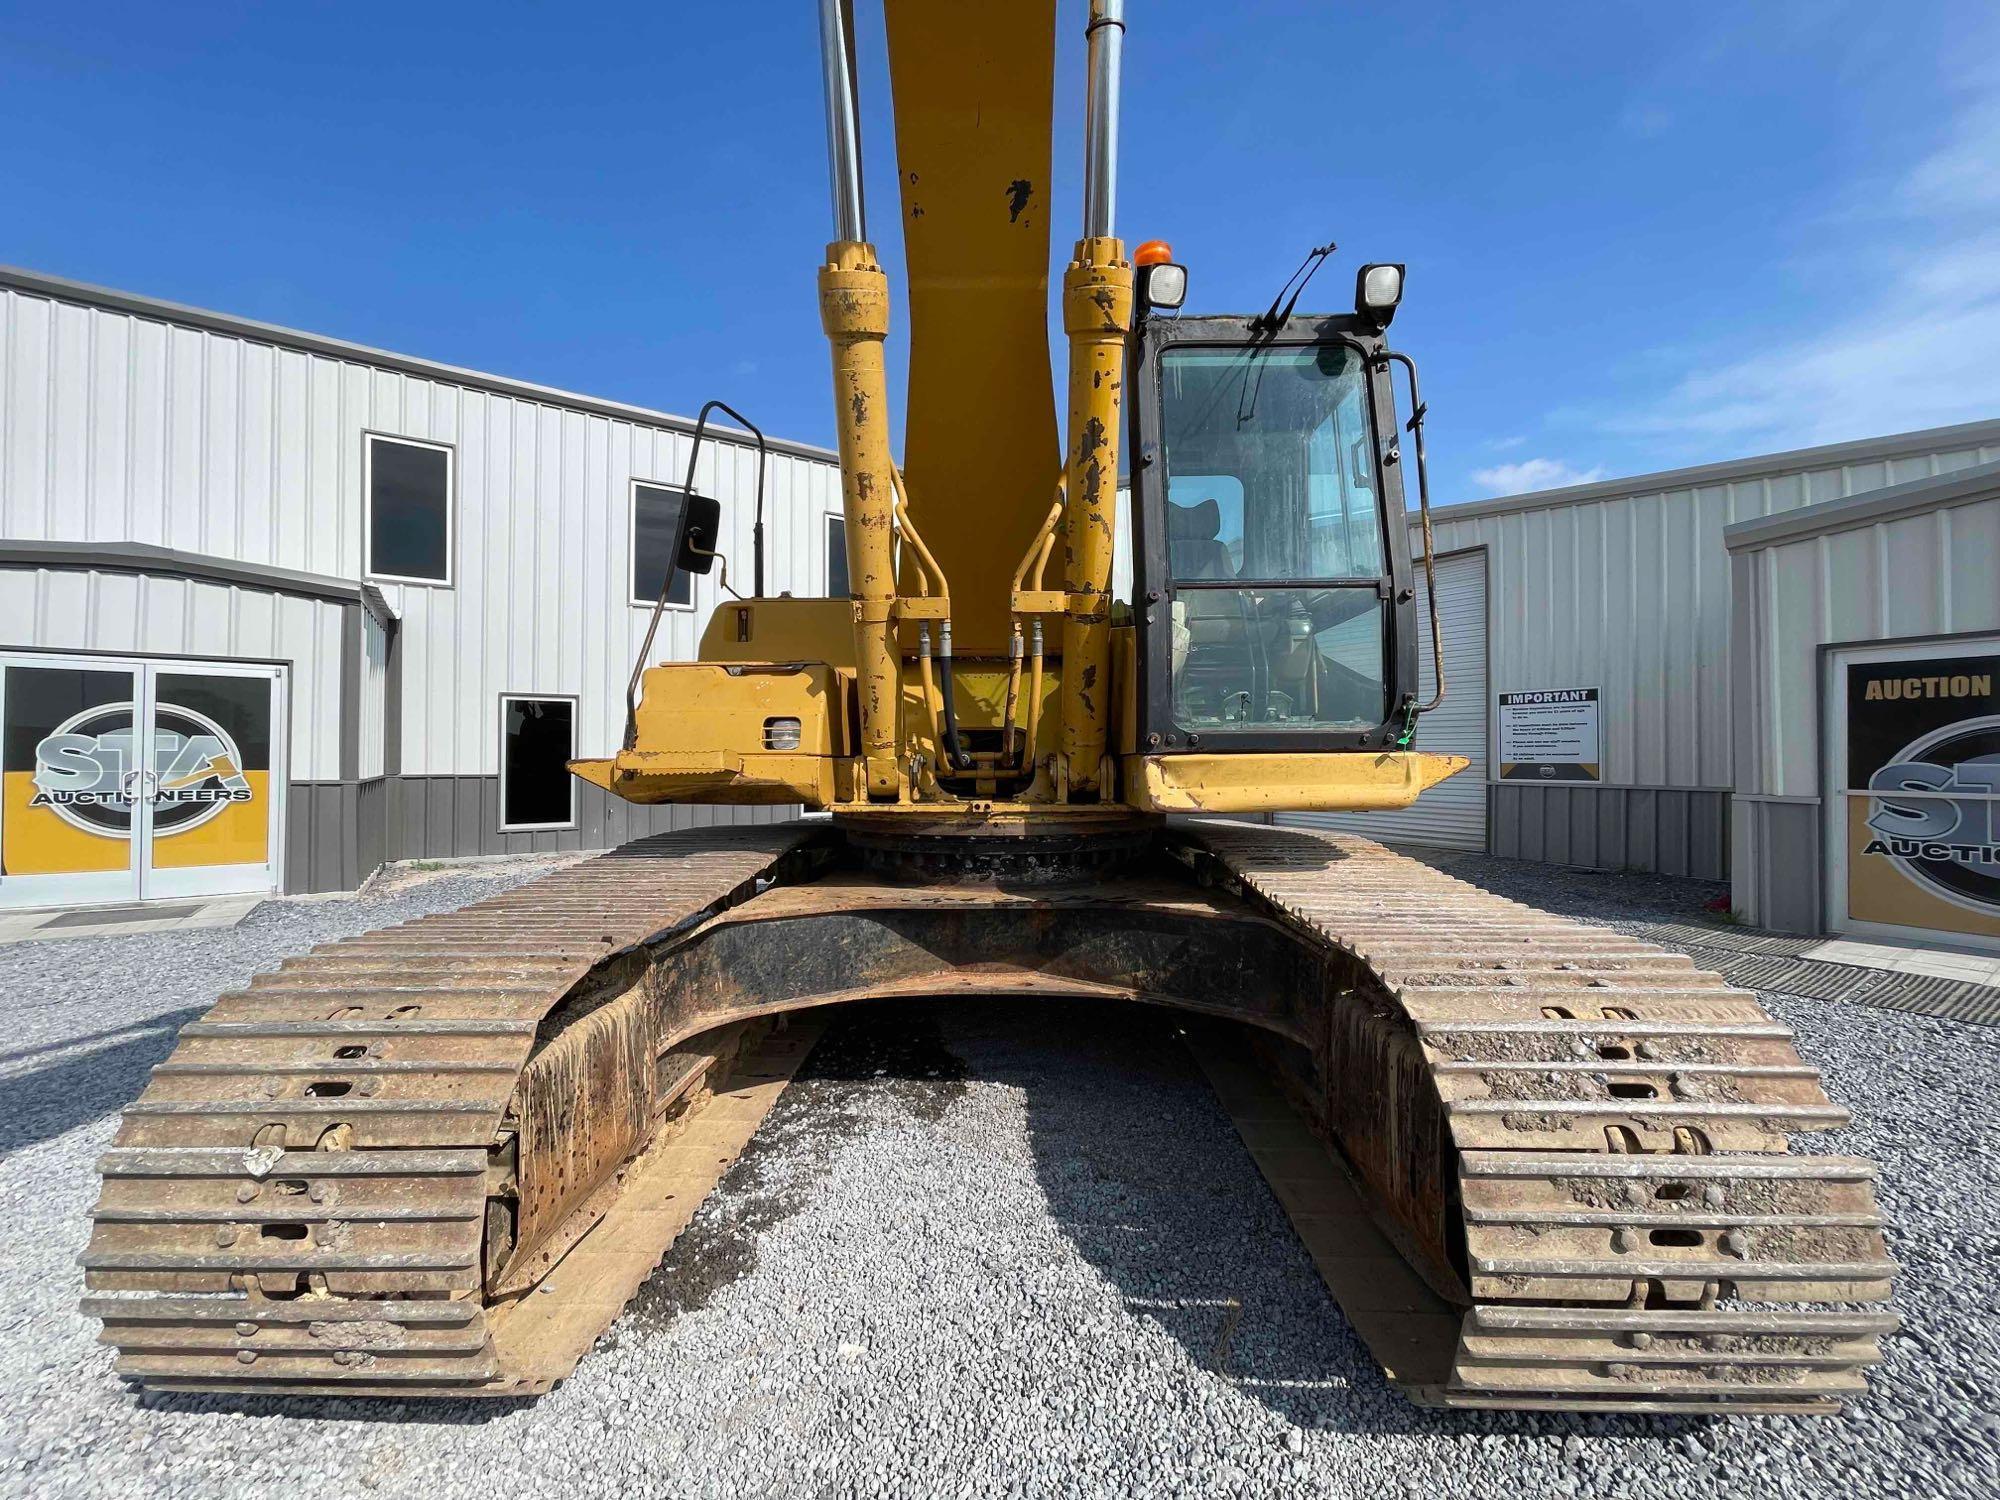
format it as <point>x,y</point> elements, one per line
<point>979,1250</point>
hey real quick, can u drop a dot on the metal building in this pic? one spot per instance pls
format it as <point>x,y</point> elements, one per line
<point>361,605</point>
<point>1595,641</point>
<point>1865,661</point>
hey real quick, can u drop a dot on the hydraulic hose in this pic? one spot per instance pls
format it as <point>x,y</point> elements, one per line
<point>953,752</point>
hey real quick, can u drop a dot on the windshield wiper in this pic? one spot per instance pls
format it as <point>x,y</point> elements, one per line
<point>1271,319</point>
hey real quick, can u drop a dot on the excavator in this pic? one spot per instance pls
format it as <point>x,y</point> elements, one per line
<point>1541,1165</point>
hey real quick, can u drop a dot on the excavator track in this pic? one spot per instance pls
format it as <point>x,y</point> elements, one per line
<point>1615,1214</point>
<point>303,1198</point>
<point>436,1160</point>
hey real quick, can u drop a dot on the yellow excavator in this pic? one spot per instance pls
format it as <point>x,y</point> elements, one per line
<point>1541,1165</point>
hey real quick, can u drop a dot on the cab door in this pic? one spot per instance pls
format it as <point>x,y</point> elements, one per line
<point>1273,553</point>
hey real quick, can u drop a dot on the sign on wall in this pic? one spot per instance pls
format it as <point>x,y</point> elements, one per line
<point>127,779</point>
<point>1550,735</point>
<point>1922,751</point>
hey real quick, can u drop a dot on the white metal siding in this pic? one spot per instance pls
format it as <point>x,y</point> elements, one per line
<point>1934,573</point>
<point>1630,593</point>
<point>121,427</point>
<point>76,609</point>
<point>1452,814</point>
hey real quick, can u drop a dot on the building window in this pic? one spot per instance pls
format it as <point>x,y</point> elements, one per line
<point>656,524</point>
<point>836,557</point>
<point>409,510</point>
<point>537,743</point>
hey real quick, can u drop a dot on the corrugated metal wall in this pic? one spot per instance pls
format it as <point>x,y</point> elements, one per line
<point>122,427</point>
<point>1936,572</point>
<point>78,609</point>
<point>1451,815</point>
<point>1630,593</point>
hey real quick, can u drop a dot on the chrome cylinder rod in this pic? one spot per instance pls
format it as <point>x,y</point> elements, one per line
<point>1106,38</point>
<point>843,124</point>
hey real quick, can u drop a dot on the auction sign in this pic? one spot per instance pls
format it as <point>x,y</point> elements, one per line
<point>79,757</point>
<point>1550,735</point>
<point>1923,791</point>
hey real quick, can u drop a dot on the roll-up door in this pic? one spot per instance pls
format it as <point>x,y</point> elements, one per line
<point>1452,814</point>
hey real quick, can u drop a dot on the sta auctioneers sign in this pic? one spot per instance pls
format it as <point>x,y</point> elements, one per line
<point>1923,784</point>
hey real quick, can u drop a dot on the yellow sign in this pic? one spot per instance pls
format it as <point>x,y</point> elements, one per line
<point>73,809</point>
<point>1923,778</point>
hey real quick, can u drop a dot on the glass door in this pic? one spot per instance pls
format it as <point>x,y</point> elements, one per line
<point>127,780</point>
<point>70,812</point>
<point>212,790</point>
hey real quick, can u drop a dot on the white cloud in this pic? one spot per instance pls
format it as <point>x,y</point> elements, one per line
<point>1921,356</point>
<point>1912,346</point>
<point>1534,474</point>
<point>1960,174</point>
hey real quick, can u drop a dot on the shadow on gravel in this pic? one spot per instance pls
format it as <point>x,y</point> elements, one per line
<point>388,1411</point>
<point>889,1044</point>
<point>1145,1173</point>
<point>40,1103</point>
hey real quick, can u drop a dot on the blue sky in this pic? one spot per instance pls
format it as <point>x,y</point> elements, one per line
<point>1639,235</point>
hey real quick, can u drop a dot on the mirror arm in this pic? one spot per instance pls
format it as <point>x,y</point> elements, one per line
<point>673,566</point>
<point>1415,427</point>
<point>763,462</point>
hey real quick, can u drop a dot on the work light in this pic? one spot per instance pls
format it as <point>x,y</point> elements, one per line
<point>1163,285</point>
<point>1377,290</point>
<point>1162,282</point>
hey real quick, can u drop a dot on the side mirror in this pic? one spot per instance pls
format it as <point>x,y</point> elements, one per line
<point>701,525</point>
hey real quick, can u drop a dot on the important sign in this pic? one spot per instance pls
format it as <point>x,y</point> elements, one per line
<point>1550,735</point>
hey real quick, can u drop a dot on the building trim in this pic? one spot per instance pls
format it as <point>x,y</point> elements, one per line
<point>1730,471</point>
<point>1938,492</point>
<point>350,692</point>
<point>144,557</point>
<point>1613,786</point>
<point>392,704</point>
<point>61,289</point>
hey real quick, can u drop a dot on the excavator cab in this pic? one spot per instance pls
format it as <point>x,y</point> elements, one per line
<point>1275,602</point>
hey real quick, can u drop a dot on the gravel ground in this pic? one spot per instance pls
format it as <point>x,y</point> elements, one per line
<point>979,1250</point>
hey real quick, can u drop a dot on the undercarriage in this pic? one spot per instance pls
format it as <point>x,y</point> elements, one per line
<point>437,1159</point>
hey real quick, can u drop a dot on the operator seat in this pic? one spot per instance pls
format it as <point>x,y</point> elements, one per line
<point>1192,544</point>
<point>1208,626</point>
